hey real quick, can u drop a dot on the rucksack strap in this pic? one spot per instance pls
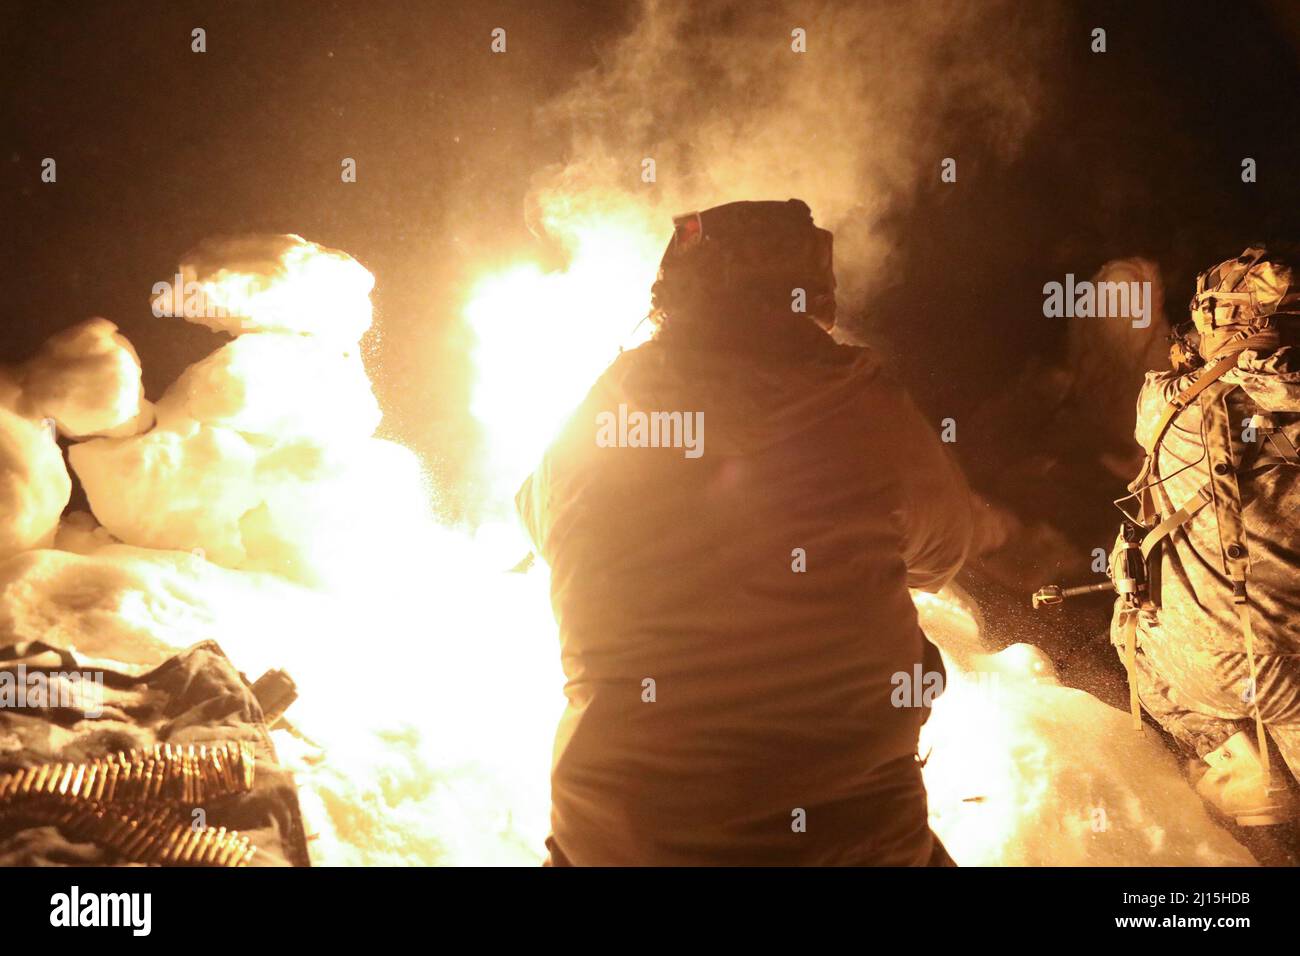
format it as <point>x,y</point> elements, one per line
<point>1242,602</point>
<point>1224,363</point>
<point>1200,499</point>
<point>1284,447</point>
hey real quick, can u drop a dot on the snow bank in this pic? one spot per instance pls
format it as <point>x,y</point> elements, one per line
<point>34,484</point>
<point>83,381</point>
<point>260,511</point>
<point>277,283</point>
<point>275,385</point>
<point>262,457</point>
<point>313,512</point>
<point>1025,772</point>
<point>140,606</point>
<point>430,705</point>
<point>87,379</point>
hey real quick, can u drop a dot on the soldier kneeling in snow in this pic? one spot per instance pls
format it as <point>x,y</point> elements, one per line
<point>1213,644</point>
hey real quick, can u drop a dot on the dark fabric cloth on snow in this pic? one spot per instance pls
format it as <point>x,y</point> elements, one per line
<point>196,697</point>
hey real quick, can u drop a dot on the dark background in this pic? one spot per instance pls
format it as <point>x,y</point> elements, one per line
<point>1137,152</point>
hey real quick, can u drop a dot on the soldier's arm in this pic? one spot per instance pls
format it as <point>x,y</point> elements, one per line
<point>936,518</point>
<point>541,495</point>
<point>530,503</point>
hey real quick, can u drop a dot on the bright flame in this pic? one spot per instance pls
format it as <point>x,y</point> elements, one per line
<point>460,740</point>
<point>542,338</point>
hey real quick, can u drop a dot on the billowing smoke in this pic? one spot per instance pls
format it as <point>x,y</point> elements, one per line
<point>700,104</point>
<point>719,99</point>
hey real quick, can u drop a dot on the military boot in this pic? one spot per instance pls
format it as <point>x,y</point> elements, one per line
<point>1235,785</point>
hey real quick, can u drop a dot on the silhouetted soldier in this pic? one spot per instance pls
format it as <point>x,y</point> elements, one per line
<point>733,611</point>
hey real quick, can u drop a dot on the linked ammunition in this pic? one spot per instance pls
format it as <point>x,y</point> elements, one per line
<point>133,802</point>
<point>168,774</point>
<point>153,835</point>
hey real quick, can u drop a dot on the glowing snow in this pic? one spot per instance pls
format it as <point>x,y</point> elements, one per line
<point>1025,772</point>
<point>262,458</point>
<point>433,700</point>
<point>34,484</point>
<point>276,385</point>
<point>83,381</point>
<point>86,378</point>
<point>279,283</point>
<point>140,606</point>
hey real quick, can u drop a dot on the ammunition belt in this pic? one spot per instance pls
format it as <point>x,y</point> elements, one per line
<point>133,802</point>
<point>155,834</point>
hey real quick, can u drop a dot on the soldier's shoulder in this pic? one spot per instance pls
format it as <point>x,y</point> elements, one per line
<point>1163,384</point>
<point>1271,379</point>
<point>1283,362</point>
<point>629,361</point>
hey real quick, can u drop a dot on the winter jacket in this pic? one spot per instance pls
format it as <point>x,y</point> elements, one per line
<point>733,622</point>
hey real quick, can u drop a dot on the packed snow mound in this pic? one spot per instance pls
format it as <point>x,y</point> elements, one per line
<point>141,606</point>
<point>312,511</point>
<point>261,457</point>
<point>80,533</point>
<point>87,379</point>
<point>277,283</point>
<point>1024,772</point>
<point>268,385</point>
<point>34,484</point>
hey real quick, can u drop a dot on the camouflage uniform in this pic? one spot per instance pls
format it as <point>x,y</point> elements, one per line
<point>1201,696</point>
<point>1191,668</point>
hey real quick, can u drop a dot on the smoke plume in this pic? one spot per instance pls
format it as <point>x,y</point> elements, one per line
<point>717,96</point>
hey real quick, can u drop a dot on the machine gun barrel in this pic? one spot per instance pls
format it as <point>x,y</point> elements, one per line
<point>1054,594</point>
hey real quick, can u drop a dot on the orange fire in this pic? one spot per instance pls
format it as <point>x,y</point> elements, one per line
<point>542,338</point>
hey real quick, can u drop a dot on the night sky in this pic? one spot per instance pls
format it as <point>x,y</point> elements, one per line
<point>1137,152</point>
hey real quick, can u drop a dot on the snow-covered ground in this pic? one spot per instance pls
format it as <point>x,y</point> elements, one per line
<point>1025,772</point>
